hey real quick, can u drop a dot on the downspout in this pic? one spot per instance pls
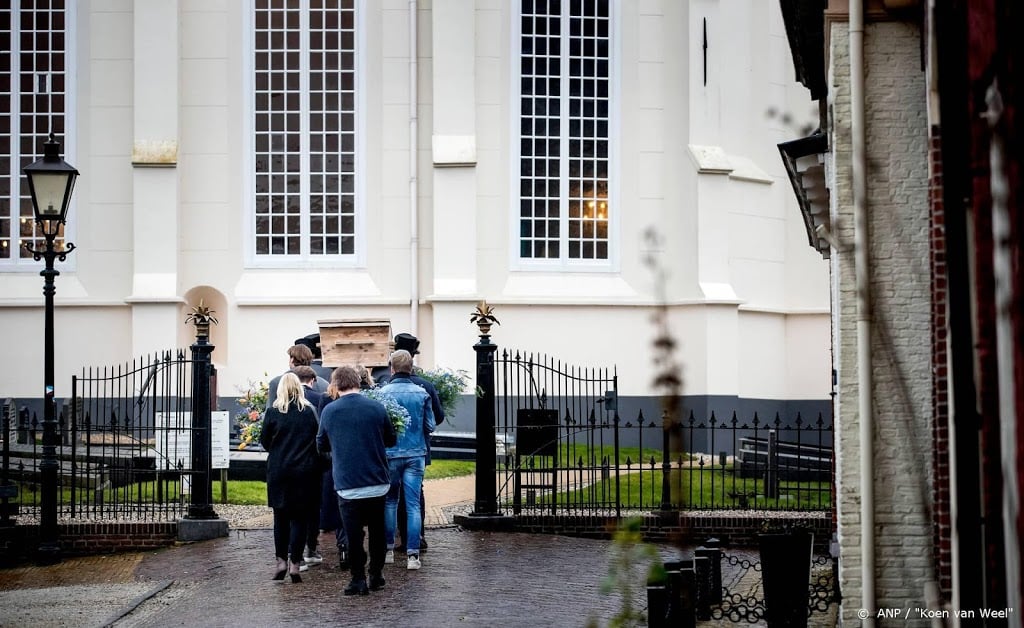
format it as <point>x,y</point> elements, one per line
<point>862,246</point>
<point>414,217</point>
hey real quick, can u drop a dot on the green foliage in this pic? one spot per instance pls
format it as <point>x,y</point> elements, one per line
<point>449,384</point>
<point>250,419</point>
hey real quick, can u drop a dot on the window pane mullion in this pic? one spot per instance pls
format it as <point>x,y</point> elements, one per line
<point>564,153</point>
<point>304,125</point>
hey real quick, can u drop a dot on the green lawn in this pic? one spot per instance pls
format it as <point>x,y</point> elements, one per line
<point>440,469</point>
<point>694,490</point>
<point>241,492</point>
<point>577,454</point>
<point>255,492</point>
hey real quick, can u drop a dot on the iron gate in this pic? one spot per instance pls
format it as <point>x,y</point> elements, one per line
<point>123,448</point>
<point>550,435</point>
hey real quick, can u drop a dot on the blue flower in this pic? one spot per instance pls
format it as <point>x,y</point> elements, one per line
<point>399,416</point>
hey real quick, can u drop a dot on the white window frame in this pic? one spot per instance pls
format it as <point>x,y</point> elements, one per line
<point>68,144</point>
<point>564,263</point>
<point>304,259</point>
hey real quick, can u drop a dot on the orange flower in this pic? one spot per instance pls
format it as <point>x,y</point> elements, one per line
<point>254,415</point>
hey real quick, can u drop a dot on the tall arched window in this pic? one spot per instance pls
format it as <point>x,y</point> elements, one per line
<point>565,78</point>
<point>34,101</point>
<point>304,131</point>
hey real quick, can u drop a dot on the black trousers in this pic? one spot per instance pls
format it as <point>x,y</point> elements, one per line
<point>355,515</point>
<point>290,533</point>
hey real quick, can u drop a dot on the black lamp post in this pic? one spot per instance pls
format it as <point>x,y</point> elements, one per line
<point>50,182</point>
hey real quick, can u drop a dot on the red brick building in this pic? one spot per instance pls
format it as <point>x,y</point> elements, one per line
<point>910,88</point>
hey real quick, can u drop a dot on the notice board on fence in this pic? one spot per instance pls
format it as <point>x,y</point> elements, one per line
<point>174,440</point>
<point>536,432</point>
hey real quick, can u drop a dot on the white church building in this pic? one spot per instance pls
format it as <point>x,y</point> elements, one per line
<point>291,161</point>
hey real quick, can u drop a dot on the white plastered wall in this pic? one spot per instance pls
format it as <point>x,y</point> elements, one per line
<point>744,288</point>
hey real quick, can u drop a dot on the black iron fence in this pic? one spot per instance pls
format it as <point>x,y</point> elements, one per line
<point>563,447</point>
<point>725,585</point>
<point>124,445</point>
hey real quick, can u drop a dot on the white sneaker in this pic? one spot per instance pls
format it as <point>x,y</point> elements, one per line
<point>414,562</point>
<point>303,566</point>
<point>389,557</point>
<point>313,558</point>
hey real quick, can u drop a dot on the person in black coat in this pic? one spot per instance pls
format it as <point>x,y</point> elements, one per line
<point>293,472</point>
<point>307,377</point>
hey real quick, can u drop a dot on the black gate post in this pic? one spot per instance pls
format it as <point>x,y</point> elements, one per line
<point>201,502</point>
<point>771,475</point>
<point>666,462</point>
<point>486,502</point>
<point>8,489</point>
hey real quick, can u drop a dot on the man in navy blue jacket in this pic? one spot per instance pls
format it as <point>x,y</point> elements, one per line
<point>356,429</point>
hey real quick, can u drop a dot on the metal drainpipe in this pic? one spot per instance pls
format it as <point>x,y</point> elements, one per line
<point>862,245</point>
<point>414,218</point>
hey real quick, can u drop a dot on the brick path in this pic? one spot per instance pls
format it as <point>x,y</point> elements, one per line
<point>468,579</point>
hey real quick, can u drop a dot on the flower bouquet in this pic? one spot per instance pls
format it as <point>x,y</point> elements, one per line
<point>250,419</point>
<point>397,413</point>
<point>449,384</point>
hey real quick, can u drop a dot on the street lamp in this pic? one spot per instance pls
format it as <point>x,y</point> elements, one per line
<point>51,181</point>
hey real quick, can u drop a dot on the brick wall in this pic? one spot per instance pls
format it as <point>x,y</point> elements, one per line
<point>941,516</point>
<point>18,543</point>
<point>901,316</point>
<point>680,528</point>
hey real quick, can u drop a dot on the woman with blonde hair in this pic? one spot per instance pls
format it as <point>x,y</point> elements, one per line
<point>289,436</point>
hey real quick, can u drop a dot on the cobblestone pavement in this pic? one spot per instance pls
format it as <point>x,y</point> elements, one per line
<point>468,579</point>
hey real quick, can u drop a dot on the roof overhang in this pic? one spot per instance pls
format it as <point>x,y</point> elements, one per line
<point>805,164</point>
<point>805,29</point>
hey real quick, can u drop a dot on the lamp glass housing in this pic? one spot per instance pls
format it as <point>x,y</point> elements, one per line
<point>51,182</point>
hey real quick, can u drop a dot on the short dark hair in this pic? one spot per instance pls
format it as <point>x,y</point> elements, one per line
<point>344,378</point>
<point>304,373</point>
<point>301,354</point>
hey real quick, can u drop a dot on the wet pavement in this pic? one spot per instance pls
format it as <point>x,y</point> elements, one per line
<point>468,579</point>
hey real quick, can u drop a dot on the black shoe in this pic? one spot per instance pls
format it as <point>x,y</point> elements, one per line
<point>343,560</point>
<point>376,583</point>
<point>357,587</point>
<point>423,542</point>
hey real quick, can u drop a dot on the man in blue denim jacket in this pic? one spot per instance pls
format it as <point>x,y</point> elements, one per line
<point>407,458</point>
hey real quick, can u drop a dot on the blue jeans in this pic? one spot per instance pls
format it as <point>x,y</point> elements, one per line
<point>406,476</point>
